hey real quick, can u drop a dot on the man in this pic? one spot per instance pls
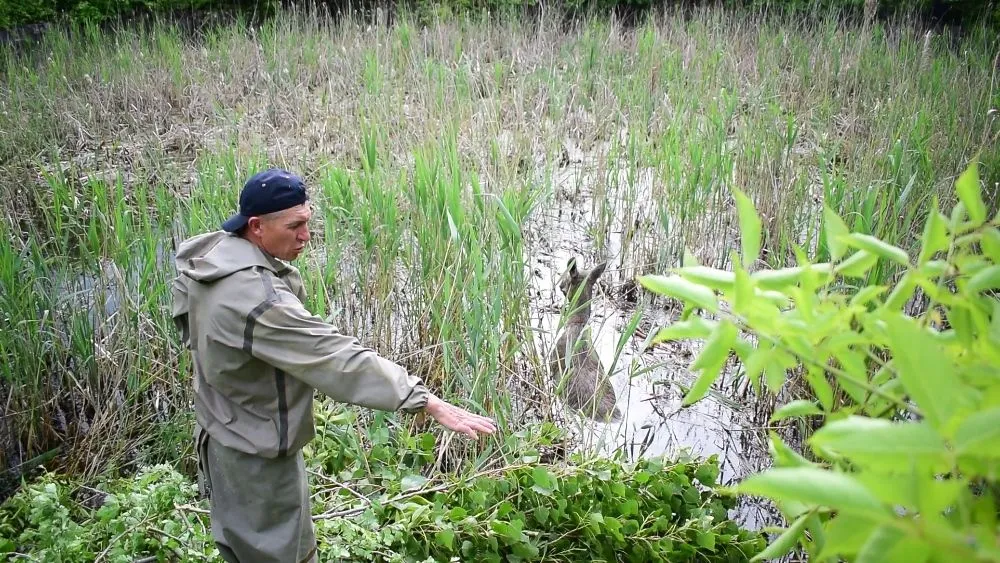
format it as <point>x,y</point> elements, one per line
<point>258,357</point>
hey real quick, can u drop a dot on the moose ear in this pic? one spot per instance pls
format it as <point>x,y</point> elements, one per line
<point>571,267</point>
<point>598,270</point>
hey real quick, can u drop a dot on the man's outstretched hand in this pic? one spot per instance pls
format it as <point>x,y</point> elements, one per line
<point>458,419</point>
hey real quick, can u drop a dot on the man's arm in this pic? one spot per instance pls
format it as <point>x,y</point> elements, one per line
<point>290,338</point>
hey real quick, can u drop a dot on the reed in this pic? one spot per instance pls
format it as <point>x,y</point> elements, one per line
<point>439,157</point>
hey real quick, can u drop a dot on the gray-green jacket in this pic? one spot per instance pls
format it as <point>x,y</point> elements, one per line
<point>259,354</point>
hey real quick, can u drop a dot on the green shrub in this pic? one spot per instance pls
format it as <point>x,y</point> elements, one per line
<point>905,463</point>
<point>599,509</point>
<point>530,509</point>
<point>53,520</point>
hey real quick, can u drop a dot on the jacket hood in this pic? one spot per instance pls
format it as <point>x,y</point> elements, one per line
<point>209,257</point>
<point>212,256</point>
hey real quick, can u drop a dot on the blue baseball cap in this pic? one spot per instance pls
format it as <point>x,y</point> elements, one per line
<point>272,190</point>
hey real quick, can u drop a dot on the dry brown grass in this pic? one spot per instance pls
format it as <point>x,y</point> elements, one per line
<point>619,131</point>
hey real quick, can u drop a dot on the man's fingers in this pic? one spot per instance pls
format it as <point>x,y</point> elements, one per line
<point>464,422</point>
<point>479,418</point>
<point>485,428</point>
<point>481,427</point>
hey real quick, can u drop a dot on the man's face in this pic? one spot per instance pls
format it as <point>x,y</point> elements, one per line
<point>283,234</point>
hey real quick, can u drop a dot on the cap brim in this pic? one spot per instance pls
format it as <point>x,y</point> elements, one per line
<point>235,223</point>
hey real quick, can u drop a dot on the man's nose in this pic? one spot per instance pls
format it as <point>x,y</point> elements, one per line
<point>304,235</point>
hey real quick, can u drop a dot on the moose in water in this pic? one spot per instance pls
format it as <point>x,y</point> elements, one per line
<point>573,362</point>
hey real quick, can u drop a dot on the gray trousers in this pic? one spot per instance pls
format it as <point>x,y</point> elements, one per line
<point>260,506</point>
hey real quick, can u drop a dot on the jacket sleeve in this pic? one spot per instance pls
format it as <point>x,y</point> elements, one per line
<point>282,333</point>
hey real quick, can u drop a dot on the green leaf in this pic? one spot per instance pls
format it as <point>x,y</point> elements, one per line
<point>888,544</point>
<point>750,227</point>
<point>994,329</point>
<point>694,327</point>
<point>786,541</point>
<point>525,550</point>
<point>542,514</point>
<point>821,387</point>
<point>706,539</point>
<point>867,293</point>
<point>817,534</point>
<point>783,455</point>
<point>934,268</point>
<point>991,244</point>
<point>857,264</point>
<point>875,441</point>
<point>775,298</point>
<point>680,288</point>
<point>457,513</point>
<point>776,369</point>
<point>412,482</point>
<point>709,277</point>
<point>595,519</point>
<point>427,442</point>
<point>970,193</point>
<point>814,486</point>
<point>544,482</point>
<point>901,293</point>
<point>446,539</point>
<point>614,526</point>
<point>834,228</point>
<point>743,294</point>
<point>979,434</point>
<point>710,361</point>
<point>881,540</point>
<point>467,548</point>
<point>796,408</point>
<point>509,531</point>
<point>707,474</point>
<point>987,278</point>
<point>878,248</point>
<point>961,321</point>
<point>924,369</point>
<point>845,534</point>
<point>937,495</point>
<point>756,361</point>
<point>935,238</point>
<point>784,277</point>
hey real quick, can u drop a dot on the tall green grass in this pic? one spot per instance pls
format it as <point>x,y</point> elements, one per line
<point>435,156</point>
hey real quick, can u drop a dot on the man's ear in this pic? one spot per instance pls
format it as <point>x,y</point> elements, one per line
<point>253,225</point>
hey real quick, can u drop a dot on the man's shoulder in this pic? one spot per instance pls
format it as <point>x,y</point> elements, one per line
<point>255,285</point>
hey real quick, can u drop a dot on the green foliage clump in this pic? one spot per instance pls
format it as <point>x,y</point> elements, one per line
<point>587,509</point>
<point>383,508</point>
<point>52,520</point>
<point>596,510</point>
<point>905,463</point>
